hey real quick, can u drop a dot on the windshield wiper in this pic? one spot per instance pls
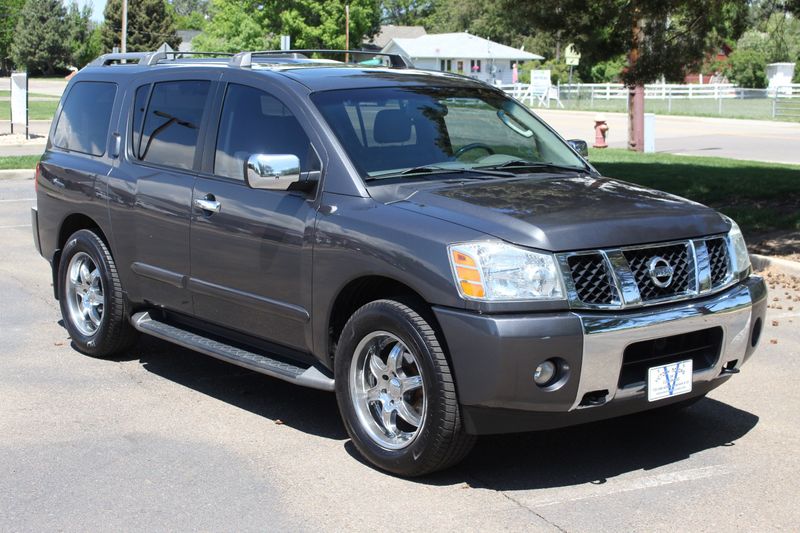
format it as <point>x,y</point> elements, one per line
<point>483,173</point>
<point>533,165</point>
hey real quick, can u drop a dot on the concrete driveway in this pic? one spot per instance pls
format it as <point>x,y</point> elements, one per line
<point>166,439</point>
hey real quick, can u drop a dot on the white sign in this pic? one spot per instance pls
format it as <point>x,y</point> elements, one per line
<point>571,56</point>
<point>286,42</point>
<point>19,98</point>
<point>541,79</point>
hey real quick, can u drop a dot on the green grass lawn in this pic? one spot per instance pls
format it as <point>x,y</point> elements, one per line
<point>7,94</point>
<point>20,161</point>
<point>37,110</point>
<point>761,197</point>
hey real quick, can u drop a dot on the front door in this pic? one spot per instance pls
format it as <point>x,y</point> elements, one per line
<point>251,254</point>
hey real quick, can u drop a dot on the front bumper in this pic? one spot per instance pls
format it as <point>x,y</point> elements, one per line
<point>494,357</point>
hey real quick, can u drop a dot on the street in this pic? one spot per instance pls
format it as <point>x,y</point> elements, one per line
<point>167,439</point>
<point>756,140</point>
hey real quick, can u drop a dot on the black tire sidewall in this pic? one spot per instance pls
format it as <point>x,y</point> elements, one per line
<point>84,241</point>
<point>384,317</point>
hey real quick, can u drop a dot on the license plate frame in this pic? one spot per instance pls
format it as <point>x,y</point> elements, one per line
<point>670,380</point>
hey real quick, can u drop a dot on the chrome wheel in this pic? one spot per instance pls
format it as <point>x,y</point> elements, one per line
<point>84,294</point>
<point>387,390</point>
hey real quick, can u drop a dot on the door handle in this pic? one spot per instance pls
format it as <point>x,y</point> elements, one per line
<point>207,204</point>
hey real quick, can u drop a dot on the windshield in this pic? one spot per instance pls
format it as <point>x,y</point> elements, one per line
<point>413,130</point>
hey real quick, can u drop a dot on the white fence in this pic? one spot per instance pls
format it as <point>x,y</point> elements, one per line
<point>719,99</point>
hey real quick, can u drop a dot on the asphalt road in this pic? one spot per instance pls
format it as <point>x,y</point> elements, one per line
<point>165,439</point>
<point>757,140</point>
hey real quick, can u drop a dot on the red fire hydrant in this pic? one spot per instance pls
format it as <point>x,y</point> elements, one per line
<point>600,131</point>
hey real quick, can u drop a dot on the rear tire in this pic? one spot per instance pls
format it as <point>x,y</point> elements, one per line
<point>91,297</point>
<point>396,392</point>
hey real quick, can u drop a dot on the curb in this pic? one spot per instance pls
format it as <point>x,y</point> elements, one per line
<point>782,266</point>
<point>19,173</point>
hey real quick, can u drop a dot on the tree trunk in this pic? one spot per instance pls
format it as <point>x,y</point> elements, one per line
<point>636,118</point>
<point>636,89</point>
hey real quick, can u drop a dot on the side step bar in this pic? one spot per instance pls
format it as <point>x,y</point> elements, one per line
<point>305,376</point>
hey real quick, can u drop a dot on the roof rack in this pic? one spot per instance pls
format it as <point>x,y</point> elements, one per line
<point>245,59</point>
<point>242,59</point>
<point>141,58</point>
<point>150,58</point>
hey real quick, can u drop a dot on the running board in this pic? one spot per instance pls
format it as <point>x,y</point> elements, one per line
<point>306,376</point>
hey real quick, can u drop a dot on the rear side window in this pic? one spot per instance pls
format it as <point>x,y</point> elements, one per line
<point>83,123</point>
<point>166,122</point>
<point>253,122</point>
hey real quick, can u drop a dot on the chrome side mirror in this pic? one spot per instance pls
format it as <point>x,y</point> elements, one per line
<point>582,147</point>
<point>275,172</point>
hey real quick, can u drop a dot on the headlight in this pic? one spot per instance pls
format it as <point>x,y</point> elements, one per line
<point>495,271</point>
<point>740,259</point>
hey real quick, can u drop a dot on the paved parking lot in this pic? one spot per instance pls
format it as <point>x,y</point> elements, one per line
<point>171,440</point>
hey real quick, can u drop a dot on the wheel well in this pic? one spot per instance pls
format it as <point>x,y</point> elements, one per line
<point>71,224</point>
<point>74,223</point>
<point>360,292</point>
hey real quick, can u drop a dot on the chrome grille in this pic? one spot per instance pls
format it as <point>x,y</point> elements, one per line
<point>591,278</point>
<point>618,278</point>
<point>677,255</point>
<point>718,260</point>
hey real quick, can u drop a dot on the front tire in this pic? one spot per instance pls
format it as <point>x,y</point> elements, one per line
<point>91,298</point>
<point>396,392</point>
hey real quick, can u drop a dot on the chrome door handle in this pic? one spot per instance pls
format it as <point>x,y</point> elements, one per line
<point>211,206</point>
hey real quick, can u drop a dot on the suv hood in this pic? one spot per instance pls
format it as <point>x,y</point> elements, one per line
<point>559,213</point>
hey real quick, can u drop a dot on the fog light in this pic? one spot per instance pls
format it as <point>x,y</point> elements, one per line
<point>545,373</point>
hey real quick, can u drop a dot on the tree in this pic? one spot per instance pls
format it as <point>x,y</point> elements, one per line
<point>254,25</point>
<point>150,24</point>
<point>660,37</point>
<point>190,14</point>
<point>407,12</point>
<point>485,19</point>
<point>234,26</point>
<point>184,8</point>
<point>321,24</point>
<point>748,68</point>
<point>9,16</point>
<point>83,43</point>
<point>41,37</point>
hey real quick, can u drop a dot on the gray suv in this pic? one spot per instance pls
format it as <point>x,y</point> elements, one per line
<point>417,242</point>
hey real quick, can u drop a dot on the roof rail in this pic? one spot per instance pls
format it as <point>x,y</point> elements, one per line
<point>142,58</point>
<point>177,54</point>
<point>149,58</point>
<point>245,59</point>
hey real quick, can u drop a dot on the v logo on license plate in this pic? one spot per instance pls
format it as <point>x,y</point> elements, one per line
<point>671,382</point>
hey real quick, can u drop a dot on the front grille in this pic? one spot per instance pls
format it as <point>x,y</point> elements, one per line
<point>677,255</point>
<point>591,278</point>
<point>718,260</point>
<point>702,347</point>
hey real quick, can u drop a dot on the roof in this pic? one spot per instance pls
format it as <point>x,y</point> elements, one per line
<point>455,45</point>
<point>390,31</point>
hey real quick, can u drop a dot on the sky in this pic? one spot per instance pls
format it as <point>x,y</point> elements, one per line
<point>97,8</point>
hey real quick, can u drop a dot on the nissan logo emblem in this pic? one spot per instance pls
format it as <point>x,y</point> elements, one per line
<point>660,271</point>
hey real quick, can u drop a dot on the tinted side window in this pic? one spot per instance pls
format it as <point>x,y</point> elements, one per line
<point>83,123</point>
<point>253,122</point>
<point>171,123</point>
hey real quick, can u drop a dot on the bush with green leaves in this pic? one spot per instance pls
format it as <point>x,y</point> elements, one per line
<point>748,68</point>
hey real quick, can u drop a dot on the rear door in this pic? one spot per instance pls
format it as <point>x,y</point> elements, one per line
<point>151,190</point>
<point>251,259</point>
